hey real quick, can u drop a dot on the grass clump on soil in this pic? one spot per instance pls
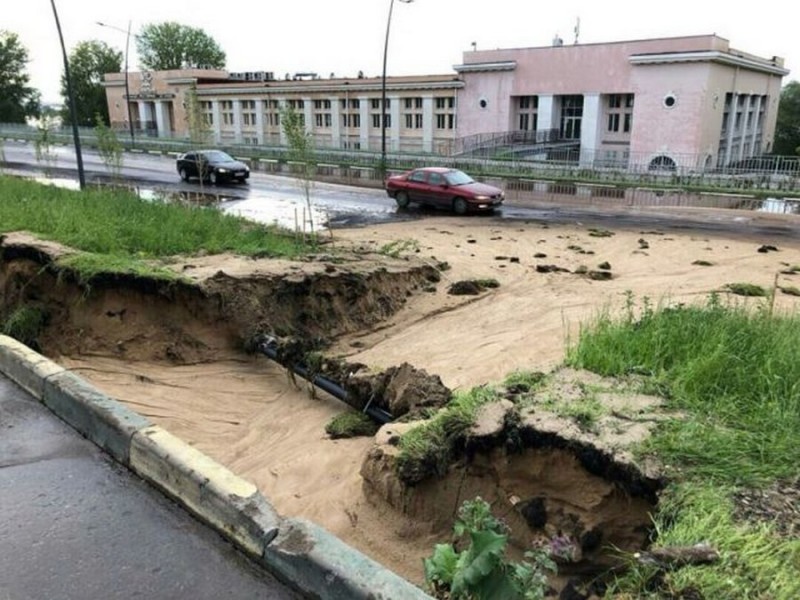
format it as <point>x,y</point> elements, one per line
<point>120,224</point>
<point>351,424</point>
<point>24,325</point>
<point>427,449</point>
<point>734,374</point>
<point>398,247</point>
<point>746,289</point>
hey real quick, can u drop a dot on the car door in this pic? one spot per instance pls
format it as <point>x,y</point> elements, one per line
<point>438,190</point>
<point>417,184</point>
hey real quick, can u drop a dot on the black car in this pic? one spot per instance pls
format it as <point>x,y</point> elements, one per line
<point>213,166</point>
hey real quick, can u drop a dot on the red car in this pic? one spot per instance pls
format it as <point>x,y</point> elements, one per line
<point>443,188</point>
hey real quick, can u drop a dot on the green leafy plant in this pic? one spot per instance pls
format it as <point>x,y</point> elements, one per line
<point>398,247</point>
<point>481,571</point>
<point>351,424</point>
<point>25,324</point>
<point>746,289</point>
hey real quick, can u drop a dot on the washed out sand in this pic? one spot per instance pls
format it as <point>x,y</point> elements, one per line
<point>246,413</point>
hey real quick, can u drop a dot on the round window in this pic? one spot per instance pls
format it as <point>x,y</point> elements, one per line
<point>483,103</point>
<point>670,100</point>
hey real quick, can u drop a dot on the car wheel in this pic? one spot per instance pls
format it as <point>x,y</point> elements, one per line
<point>212,178</point>
<point>402,200</point>
<point>184,175</point>
<point>459,206</point>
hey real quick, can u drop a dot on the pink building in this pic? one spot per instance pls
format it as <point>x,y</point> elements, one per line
<point>690,102</point>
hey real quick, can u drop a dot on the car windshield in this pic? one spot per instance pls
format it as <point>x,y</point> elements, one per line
<point>217,156</point>
<point>458,178</point>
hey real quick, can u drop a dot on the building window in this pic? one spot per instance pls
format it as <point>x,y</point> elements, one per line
<point>249,113</point>
<point>620,113</point>
<point>526,108</point>
<point>226,109</point>
<point>376,120</point>
<point>571,117</point>
<point>444,103</point>
<point>207,108</point>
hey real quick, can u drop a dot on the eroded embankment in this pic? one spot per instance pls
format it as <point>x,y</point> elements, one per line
<point>548,478</point>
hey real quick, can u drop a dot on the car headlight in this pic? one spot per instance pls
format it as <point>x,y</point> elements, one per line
<point>481,198</point>
<point>221,170</point>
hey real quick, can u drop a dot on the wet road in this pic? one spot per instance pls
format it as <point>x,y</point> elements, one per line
<point>76,525</point>
<point>277,199</point>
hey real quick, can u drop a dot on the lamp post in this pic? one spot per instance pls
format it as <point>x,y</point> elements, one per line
<point>127,89</point>
<point>72,111</point>
<point>383,85</point>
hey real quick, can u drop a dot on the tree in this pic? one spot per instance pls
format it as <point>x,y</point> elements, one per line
<point>170,45</point>
<point>88,62</point>
<point>17,99</point>
<point>110,148</point>
<point>301,152</point>
<point>787,128</point>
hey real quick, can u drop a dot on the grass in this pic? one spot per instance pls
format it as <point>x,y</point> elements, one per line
<point>351,424</point>
<point>427,449</point>
<point>746,289</point>
<point>735,375</point>
<point>754,562</point>
<point>118,224</point>
<point>24,324</point>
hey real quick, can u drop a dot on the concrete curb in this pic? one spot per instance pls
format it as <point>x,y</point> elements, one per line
<point>300,553</point>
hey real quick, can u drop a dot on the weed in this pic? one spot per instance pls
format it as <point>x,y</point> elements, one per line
<point>398,247</point>
<point>24,324</point>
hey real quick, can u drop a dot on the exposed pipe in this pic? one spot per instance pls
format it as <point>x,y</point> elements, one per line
<point>269,347</point>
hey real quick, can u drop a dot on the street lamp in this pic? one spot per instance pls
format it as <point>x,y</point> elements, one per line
<point>383,85</point>
<point>72,111</point>
<point>127,89</point>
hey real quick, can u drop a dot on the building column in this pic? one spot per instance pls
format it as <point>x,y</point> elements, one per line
<point>336,122</point>
<point>590,128</point>
<point>145,114</point>
<point>259,121</point>
<point>162,120</point>
<point>754,134</point>
<point>731,127</point>
<point>308,115</point>
<point>281,130</point>
<point>427,123</point>
<point>545,112</point>
<point>394,130</point>
<point>237,121</point>
<point>215,115</point>
<point>363,130</point>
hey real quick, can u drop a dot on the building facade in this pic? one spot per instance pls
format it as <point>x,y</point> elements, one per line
<point>689,102</point>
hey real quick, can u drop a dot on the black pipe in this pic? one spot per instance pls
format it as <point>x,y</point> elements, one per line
<point>269,347</point>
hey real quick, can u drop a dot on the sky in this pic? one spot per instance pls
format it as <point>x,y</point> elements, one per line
<point>426,37</point>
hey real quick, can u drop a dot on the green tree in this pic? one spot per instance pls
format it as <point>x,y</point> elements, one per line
<point>196,121</point>
<point>17,99</point>
<point>170,45</point>
<point>88,62</point>
<point>787,128</point>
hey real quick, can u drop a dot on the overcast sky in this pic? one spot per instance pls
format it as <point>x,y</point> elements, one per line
<point>427,36</point>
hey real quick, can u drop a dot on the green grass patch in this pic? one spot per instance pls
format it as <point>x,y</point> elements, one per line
<point>754,562</point>
<point>24,324</point>
<point>427,449</point>
<point>397,248</point>
<point>119,223</point>
<point>735,374</point>
<point>746,289</point>
<point>790,290</point>
<point>351,424</point>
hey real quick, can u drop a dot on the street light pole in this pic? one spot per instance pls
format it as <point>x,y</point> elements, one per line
<point>383,85</point>
<point>127,88</point>
<point>72,111</point>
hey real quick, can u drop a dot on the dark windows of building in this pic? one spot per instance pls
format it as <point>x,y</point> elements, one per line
<point>526,108</point>
<point>571,117</point>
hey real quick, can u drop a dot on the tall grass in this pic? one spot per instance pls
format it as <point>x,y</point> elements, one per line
<point>754,562</point>
<point>118,223</point>
<point>733,371</point>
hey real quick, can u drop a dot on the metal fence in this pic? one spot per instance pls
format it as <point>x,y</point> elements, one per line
<point>765,174</point>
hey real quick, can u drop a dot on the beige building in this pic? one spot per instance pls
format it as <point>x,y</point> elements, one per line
<point>244,108</point>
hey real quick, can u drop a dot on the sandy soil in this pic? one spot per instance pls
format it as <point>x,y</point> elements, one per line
<point>246,413</point>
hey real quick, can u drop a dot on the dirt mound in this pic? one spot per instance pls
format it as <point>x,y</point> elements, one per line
<point>544,474</point>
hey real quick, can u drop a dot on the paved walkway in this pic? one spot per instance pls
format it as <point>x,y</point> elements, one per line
<point>76,525</point>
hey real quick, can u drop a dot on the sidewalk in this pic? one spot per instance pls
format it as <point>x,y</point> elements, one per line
<point>74,524</point>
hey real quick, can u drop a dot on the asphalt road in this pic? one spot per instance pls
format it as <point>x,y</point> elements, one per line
<point>76,525</point>
<point>273,198</point>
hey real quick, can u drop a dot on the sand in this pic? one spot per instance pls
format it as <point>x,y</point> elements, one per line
<point>246,413</point>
